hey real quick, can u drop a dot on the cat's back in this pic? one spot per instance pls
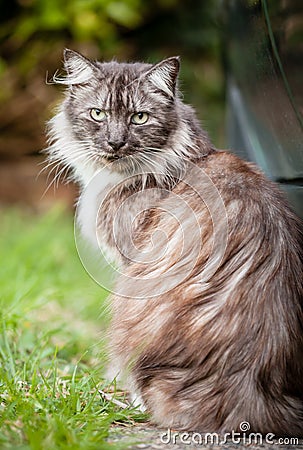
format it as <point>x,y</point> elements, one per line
<point>249,197</point>
<point>261,236</point>
<point>228,228</point>
<point>237,179</point>
<point>226,209</point>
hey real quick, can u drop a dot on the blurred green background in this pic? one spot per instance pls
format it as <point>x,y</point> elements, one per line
<point>33,35</point>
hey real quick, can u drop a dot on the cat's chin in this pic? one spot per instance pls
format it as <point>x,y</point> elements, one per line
<point>114,163</point>
<point>121,164</point>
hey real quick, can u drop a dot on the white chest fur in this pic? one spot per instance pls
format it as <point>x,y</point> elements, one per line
<point>90,202</point>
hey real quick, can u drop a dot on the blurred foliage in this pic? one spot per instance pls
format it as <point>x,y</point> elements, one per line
<point>33,34</point>
<point>160,23</point>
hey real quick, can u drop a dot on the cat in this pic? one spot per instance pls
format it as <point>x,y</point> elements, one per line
<point>207,326</point>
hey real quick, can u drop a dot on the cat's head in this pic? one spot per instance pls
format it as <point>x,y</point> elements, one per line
<point>126,116</point>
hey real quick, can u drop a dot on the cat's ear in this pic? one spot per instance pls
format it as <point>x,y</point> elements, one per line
<point>79,70</point>
<point>164,75</point>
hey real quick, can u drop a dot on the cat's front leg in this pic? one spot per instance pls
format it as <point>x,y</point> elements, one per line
<point>135,395</point>
<point>116,373</point>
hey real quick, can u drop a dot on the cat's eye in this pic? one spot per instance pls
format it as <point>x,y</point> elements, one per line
<point>97,114</point>
<point>139,118</point>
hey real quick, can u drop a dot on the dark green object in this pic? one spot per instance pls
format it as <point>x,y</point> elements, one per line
<point>264,61</point>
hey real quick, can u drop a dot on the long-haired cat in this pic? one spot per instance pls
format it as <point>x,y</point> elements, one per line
<point>207,321</point>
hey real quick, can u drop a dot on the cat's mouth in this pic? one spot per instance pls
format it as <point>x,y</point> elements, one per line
<point>110,157</point>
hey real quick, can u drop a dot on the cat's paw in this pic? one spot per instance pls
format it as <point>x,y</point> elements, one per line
<point>113,373</point>
<point>137,402</point>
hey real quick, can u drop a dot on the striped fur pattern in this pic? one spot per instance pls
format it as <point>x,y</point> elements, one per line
<point>201,348</point>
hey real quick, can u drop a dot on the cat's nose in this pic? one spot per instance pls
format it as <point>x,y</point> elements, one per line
<point>116,145</point>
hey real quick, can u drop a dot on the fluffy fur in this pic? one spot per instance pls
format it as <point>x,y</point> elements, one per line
<point>204,346</point>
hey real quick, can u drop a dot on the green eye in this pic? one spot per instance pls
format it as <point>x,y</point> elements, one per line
<point>139,118</point>
<point>97,114</point>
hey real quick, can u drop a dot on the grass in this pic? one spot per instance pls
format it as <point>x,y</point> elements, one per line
<point>52,353</point>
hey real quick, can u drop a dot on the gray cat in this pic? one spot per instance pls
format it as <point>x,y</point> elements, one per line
<point>207,324</point>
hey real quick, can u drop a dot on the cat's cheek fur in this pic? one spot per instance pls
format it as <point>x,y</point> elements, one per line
<point>66,148</point>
